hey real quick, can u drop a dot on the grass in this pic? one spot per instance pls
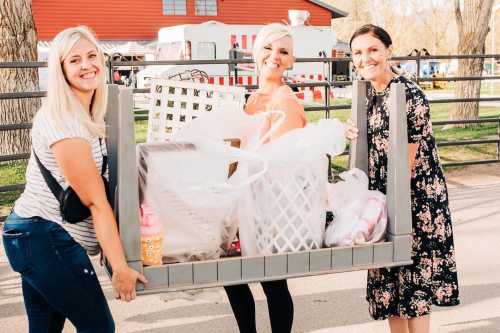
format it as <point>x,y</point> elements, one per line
<point>10,173</point>
<point>486,88</point>
<point>141,131</point>
<point>13,173</point>
<point>440,112</point>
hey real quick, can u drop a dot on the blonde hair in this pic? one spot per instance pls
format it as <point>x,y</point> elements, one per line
<point>61,104</point>
<point>268,34</point>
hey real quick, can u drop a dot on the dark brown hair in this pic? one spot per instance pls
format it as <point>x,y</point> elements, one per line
<point>375,31</point>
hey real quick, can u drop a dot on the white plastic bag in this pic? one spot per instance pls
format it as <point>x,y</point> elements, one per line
<point>342,193</point>
<point>186,185</point>
<point>360,215</point>
<point>285,210</point>
<point>227,122</point>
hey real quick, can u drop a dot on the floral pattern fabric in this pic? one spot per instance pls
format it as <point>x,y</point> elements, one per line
<point>409,291</point>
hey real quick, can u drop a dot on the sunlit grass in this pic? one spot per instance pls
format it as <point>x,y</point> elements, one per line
<point>10,173</point>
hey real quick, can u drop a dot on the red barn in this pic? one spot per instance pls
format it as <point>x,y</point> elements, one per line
<point>141,20</point>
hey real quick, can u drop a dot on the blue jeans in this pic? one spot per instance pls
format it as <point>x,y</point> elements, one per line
<point>58,279</point>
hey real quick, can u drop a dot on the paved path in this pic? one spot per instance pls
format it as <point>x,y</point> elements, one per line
<point>328,303</point>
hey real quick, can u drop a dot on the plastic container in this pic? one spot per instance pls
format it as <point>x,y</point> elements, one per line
<point>151,237</point>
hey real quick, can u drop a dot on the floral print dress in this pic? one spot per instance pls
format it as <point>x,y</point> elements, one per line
<point>410,291</point>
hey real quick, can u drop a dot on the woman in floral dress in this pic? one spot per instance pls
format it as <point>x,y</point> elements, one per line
<point>404,295</point>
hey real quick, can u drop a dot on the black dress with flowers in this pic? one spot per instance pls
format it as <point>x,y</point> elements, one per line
<point>410,291</point>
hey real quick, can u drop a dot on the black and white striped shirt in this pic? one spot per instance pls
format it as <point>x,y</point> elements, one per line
<point>37,199</point>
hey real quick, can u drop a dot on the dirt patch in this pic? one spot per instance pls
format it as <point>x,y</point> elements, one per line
<point>473,175</point>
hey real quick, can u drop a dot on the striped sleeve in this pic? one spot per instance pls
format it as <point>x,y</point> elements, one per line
<point>69,129</point>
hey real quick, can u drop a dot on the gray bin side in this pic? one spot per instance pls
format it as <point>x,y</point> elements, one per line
<point>395,251</point>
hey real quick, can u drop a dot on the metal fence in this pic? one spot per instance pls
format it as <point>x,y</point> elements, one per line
<point>328,84</point>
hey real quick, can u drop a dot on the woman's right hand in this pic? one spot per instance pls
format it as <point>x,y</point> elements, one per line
<point>351,131</point>
<point>124,281</point>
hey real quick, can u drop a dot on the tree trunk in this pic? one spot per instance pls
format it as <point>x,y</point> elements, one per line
<point>472,24</point>
<point>18,42</point>
<point>468,89</point>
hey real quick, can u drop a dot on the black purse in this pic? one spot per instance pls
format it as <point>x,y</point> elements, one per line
<point>71,207</point>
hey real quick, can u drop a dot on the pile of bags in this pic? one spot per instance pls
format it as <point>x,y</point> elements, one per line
<point>360,215</point>
<point>277,198</point>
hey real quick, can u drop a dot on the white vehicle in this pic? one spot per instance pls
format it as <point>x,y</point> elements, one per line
<point>213,40</point>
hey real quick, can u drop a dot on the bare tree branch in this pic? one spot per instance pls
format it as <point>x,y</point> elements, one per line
<point>484,16</point>
<point>458,18</point>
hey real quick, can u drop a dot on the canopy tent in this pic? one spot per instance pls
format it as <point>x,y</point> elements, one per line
<point>133,48</point>
<point>125,48</point>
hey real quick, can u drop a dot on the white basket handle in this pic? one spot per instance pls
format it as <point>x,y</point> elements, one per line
<point>275,126</point>
<point>240,156</point>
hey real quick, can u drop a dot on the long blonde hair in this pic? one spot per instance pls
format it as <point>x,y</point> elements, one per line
<point>268,34</point>
<point>61,104</point>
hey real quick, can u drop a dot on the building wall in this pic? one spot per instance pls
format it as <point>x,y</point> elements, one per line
<point>141,19</point>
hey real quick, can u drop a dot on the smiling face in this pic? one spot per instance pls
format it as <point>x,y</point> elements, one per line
<point>275,57</point>
<point>370,56</point>
<point>83,67</point>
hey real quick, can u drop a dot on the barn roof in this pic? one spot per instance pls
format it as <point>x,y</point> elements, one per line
<point>336,13</point>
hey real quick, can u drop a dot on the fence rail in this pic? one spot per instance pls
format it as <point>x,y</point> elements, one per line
<point>327,84</point>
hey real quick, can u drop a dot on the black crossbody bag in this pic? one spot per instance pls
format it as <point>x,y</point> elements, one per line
<point>71,207</point>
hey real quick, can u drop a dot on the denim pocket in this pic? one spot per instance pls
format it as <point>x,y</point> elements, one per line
<point>17,249</point>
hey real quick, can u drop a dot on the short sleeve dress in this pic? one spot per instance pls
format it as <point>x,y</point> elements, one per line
<point>410,291</point>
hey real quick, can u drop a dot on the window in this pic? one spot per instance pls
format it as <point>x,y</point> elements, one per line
<point>205,7</point>
<point>206,51</point>
<point>174,7</point>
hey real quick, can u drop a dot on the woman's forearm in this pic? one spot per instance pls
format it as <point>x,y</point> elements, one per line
<point>412,153</point>
<point>107,234</point>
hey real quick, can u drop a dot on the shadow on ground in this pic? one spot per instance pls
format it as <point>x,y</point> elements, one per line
<point>312,312</point>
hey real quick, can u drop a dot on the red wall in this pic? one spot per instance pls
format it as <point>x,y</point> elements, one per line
<point>141,19</point>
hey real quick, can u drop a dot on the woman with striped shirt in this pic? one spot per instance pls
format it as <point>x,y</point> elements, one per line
<point>58,279</point>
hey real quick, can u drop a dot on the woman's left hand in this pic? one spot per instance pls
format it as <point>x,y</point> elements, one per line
<point>351,131</point>
<point>124,281</point>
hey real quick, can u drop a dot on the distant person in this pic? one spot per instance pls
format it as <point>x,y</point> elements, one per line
<point>133,79</point>
<point>273,54</point>
<point>68,150</point>
<point>398,69</point>
<point>405,295</point>
<point>116,77</point>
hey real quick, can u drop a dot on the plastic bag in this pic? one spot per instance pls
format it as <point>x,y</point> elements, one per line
<point>186,184</point>
<point>360,215</point>
<point>285,210</point>
<point>226,123</point>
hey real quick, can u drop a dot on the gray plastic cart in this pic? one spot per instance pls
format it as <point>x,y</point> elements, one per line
<point>395,251</point>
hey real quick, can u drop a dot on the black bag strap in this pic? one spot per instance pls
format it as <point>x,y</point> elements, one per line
<point>52,183</point>
<point>104,165</point>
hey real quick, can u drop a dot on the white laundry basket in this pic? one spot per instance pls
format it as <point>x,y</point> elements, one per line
<point>290,207</point>
<point>175,103</point>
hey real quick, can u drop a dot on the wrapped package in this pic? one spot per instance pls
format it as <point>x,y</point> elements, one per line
<point>187,186</point>
<point>360,215</point>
